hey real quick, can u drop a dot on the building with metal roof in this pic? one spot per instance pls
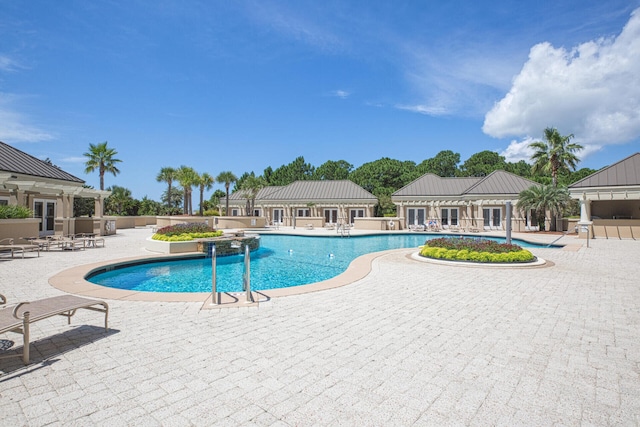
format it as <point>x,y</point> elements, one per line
<point>610,200</point>
<point>44,188</point>
<point>306,202</point>
<point>471,203</point>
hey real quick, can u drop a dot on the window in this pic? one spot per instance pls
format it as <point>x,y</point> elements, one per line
<point>303,212</point>
<point>234,212</point>
<point>256,212</point>
<point>4,201</point>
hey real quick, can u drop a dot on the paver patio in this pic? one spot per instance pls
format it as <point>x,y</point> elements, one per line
<point>412,343</point>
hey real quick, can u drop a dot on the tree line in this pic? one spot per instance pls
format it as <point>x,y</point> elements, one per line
<point>553,164</point>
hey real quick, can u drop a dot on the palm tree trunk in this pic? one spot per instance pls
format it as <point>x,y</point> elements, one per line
<point>226,209</point>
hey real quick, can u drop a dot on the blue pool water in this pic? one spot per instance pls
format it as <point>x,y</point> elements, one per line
<point>282,261</point>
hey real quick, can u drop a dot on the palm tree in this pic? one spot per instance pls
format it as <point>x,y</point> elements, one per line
<point>167,174</point>
<point>205,181</point>
<point>119,199</point>
<point>554,154</point>
<point>227,177</point>
<point>187,177</point>
<point>543,198</point>
<point>250,189</point>
<point>101,157</point>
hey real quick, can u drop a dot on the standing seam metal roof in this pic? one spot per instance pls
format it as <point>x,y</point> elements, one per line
<point>320,190</point>
<point>14,160</point>
<point>497,182</point>
<point>625,172</point>
<point>239,194</point>
<point>501,182</point>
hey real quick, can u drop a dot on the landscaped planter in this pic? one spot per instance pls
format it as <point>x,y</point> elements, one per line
<point>171,247</point>
<point>225,245</point>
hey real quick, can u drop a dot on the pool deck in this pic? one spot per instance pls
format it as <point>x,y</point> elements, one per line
<point>409,343</point>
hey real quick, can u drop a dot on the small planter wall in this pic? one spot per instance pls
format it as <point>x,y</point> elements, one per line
<point>17,229</point>
<point>225,245</point>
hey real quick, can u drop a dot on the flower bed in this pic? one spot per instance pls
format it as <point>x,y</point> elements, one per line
<point>185,232</point>
<point>475,250</point>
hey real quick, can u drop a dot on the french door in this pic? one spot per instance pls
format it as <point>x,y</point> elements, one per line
<point>46,211</point>
<point>278,215</point>
<point>355,213</point>
<point>331,216</point>
<point>416,216</point>
<point>449,216</point>
<point>492,217</point>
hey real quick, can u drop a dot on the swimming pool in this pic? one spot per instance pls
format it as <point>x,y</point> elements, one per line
<point>282,261</point>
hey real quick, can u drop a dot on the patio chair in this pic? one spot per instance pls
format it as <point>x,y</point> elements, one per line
<point>8,245</point>
<point>90,239</point>
<point>19,318</point>
<point>69,243</point>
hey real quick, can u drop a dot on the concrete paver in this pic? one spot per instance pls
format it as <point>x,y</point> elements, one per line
<point>411,343</point>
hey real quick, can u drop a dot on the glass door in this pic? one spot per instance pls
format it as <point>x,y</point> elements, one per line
<point>45,210</point>
<point>416,216</point>
<point>278,214</point>
<point>331,216</point>
<point>355,213</point>
<point>492,217</point>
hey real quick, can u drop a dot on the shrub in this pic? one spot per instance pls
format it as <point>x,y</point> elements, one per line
<point>211,212</point>
<point>476,250</point>
<point>174,230</point>
<point>472,244</point>
<point>185,232</point>
<point>15,212</point>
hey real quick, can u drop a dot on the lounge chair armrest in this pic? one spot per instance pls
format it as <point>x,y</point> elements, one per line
<point>17,307</point>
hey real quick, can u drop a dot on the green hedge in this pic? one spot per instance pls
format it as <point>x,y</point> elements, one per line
<point>185,237</point>
<point>522,255</point>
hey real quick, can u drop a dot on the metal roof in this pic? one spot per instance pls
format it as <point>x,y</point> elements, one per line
<point>16,161</point>
<point>497,182</point>
<point>500,182</point>
<point>321,190</point>
<point>239,194</point>
<point>433,185</point>
<point>626,172</point>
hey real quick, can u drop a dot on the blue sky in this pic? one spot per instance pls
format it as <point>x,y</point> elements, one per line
<point>242,85</point>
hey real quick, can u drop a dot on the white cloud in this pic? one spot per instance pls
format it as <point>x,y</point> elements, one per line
<point>592,91</point>
<point>8,64</point>
<point>428,110</point>
<point>295,25</point>
<point>340,93</point>
<point>15,127</point>
<point>518,150</point>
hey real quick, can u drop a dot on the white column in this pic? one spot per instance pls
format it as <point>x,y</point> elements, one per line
<point>585,210</point>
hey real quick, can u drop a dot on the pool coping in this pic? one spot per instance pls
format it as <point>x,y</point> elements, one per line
<point>73,281</point>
